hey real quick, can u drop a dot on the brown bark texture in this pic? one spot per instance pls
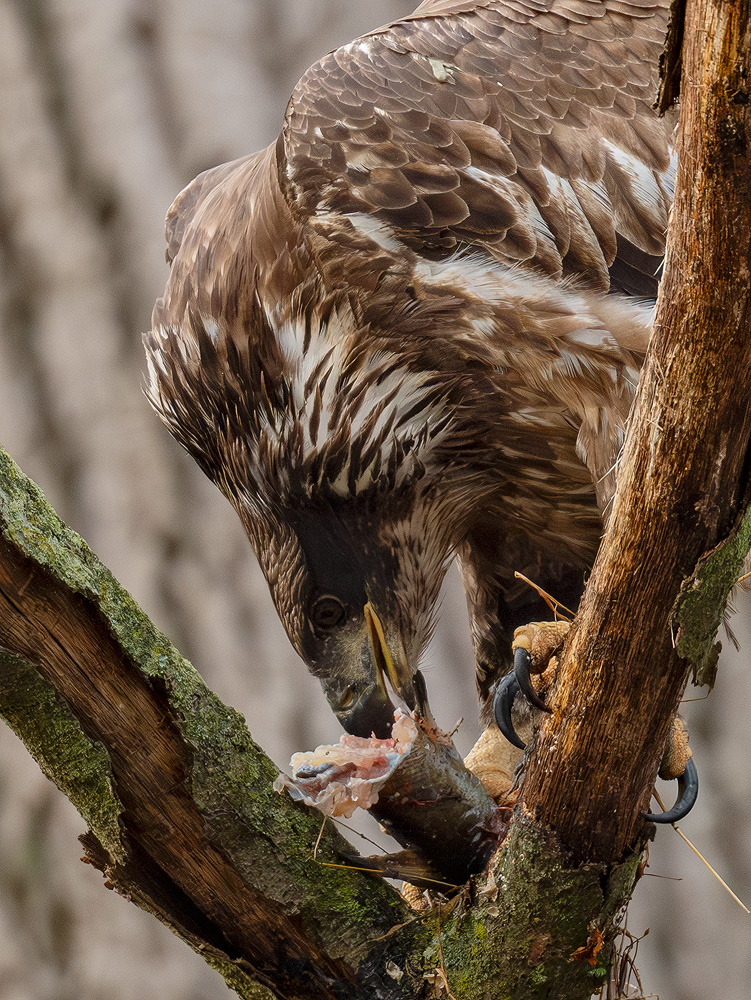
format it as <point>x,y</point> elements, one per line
<point>683,478</point>
<point>106,110</point>
<point>180,802</point>
<point>185,820</point>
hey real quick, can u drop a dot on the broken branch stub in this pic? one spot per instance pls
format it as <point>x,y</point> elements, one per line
<point>416,785</point>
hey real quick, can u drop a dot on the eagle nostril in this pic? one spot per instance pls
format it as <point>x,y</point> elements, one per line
<point>347,698</point>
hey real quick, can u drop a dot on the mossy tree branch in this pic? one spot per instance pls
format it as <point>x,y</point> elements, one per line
<point>179,798</point>
<point>184,821</point>
<point>177,795</point>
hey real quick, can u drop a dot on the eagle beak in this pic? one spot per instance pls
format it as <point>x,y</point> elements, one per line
<point>408,684</point>
<point>381,655</point>
<point>362,705</point>
<point>359,696</point>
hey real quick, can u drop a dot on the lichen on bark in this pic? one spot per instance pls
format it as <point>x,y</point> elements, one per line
<point>55,739</point>
<point>268,840</point>
<point>700,606</point>
<point>518,936</point>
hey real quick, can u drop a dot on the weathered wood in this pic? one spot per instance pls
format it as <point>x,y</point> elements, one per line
<point>683,476</point>
<point>671,60</point>
<point>178,796</point>
<point>184,821</point>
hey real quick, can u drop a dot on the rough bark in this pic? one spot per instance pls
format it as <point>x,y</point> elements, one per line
<point>184,822</point>
<point>177,795</point>
<point>677,536</point>
<point>485,941</point>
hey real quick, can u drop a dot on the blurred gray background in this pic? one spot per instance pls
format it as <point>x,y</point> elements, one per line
<point>107,109</point>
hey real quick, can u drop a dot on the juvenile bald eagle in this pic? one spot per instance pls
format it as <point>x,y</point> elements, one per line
<point>410,329</point>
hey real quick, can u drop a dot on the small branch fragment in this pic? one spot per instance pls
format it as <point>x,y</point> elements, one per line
<point>671,60</point>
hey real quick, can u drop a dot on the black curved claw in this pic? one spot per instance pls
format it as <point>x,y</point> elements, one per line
<point>505,693</point>
<point>688,789</point>
<point>522,663</point>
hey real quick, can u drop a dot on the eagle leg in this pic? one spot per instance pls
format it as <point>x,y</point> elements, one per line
<point>677,762</point>
<point>688,780</point>
<point>541,641</point>
<point>535,647</point>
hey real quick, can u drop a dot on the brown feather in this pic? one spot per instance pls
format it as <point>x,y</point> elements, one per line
<point>393,322</point>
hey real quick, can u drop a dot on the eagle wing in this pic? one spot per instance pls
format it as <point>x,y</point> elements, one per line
<point>523,128</point>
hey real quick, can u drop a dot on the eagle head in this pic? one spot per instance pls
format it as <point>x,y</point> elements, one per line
<point>326,449</point>
<point>355,582</point>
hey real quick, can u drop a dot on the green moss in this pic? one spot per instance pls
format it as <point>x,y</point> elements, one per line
<point>598,973</point>
<point>237,980</point>
<point>79,766</point>
<point>700,606</point>
<point>619,886</point>
<point>518,942</point>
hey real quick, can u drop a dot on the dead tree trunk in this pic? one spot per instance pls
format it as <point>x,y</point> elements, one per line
<point>677,536</point>
<point>179,798</point>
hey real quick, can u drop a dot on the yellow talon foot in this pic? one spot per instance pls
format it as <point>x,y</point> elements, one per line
<point>535,647</point>
<point>493,760</point>
<point>677,752</point>
<point>677,762</point>
<point>542,640</point>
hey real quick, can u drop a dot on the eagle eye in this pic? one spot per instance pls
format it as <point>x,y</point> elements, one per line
<point>327,612</point>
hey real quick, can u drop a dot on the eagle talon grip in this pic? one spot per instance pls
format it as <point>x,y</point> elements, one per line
<point>688,790</point>
<point>505,694</point>
<point>522,664</point>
